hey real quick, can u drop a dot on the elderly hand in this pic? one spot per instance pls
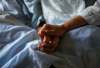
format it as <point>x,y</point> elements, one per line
<point>52,30</point>
<point>50,35</point>
<point>49,44</point>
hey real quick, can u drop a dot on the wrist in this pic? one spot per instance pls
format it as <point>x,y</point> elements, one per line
<point>75,22</point>
<point>63,27</point>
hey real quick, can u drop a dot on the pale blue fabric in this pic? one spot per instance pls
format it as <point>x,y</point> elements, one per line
<point>12,41</point>
<point>79,47</point>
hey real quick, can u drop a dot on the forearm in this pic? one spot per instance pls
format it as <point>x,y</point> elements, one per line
<point>75,22</point>
<point>90,15</point>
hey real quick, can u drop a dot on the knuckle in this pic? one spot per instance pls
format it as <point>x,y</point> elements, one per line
<point>39,33</point>
<point>44,25</point>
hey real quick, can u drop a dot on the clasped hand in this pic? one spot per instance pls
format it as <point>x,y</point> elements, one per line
<point>50,36</point>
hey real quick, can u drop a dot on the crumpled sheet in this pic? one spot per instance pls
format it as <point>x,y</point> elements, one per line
<point>13,40</point>
<point>18,42</point>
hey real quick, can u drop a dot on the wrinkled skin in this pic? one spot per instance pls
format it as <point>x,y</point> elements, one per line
<point>50,35</point>
<point>49,45</point>
<point>52,30</point>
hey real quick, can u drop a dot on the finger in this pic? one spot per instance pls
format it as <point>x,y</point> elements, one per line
<point>41,37</point>
<point>47,39</point>
<point>42,45</point>
<point>47,48</point>
<point>46,27</point>
<point>41,31</point>
<point>51,46</point>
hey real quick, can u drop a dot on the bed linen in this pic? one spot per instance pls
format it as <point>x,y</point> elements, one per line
<point>18,41</point>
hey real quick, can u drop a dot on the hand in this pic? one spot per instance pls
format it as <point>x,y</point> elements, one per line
<point>52,30</point>
<point>49,44</point>
<point>39,28</point>
<point>50,40</point>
